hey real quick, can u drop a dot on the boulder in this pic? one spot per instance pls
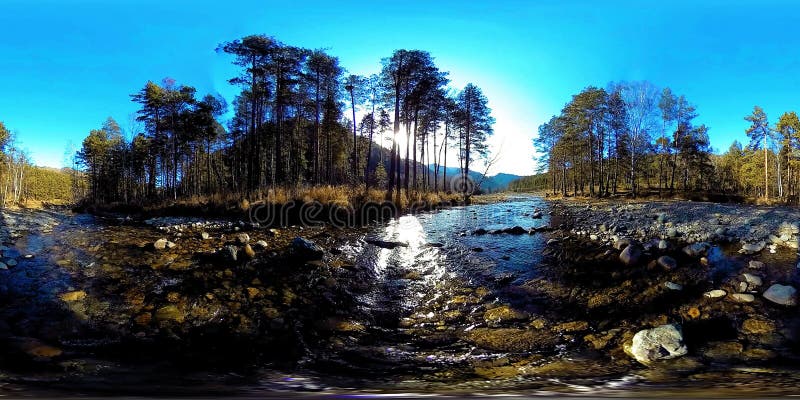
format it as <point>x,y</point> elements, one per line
<point>660,343</point>
<point>784,295</point>
<point>630,256</point>
<point>306,250</point>
<point>667,262</point>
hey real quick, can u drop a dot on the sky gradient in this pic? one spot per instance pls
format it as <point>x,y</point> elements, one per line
<point>67,65</point>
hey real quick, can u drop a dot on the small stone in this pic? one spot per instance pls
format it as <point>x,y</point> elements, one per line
<point>752,248</point>
<point>248,251</point>
<point>667,262</point>
<point>695,249</point>
<point>162,244</point>
<point>663,244</point>
<point>753,281</point>
<point>11,262</point>
<point>231,252</point>
<point>715,294</point>
<point>243,238</point>
<point>205,235</point>
<point>672,232</point>
<point>262,244</point>
<point>781,294</point>
<point>673,286</point>
<point>755,264</point>
<point>742,298</point>
<point>3,266</point>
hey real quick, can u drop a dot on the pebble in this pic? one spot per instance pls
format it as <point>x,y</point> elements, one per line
<point>673,286</point>
<point>743,298</point>
<point>715,294</point>
<point>755,264</point>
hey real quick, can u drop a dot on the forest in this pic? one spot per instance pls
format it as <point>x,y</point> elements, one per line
<point>637,139</point>
<point>22,183</point>
<point>299,121</point>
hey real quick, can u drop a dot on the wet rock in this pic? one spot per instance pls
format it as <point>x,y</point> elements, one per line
<point>262,244</point>
<point>571,327</point>
<point>386,244</point>
<point>753,264</point>
<point>517,230</point>
<point>479,231</point>
<point>537,215</point>
<point>504,314</point>
<point>477,249</point>
<point>723,351</point>
<point>553,242</point>
<point>667,262</point>
<point>3,266</point>
<point>11,262</point>
<point>73,296</point>
<point>781,294</point>
<point>630,256</point>
<point>169,313</point>
<point>715,294</point>
<point>742,297</point>
<point>306,250</point>
<point>660,343</point>
<point>162,244</point>
<point>673,286</point>
<point>756,326</point>
<point>663,244</point>
<point>510,339</point>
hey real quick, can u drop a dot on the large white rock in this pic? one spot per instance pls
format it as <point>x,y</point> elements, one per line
<point>715,294</point>
<point>660,343</point>
<point>781,294</point>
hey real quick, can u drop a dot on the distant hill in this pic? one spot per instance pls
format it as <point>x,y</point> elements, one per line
<point>495,183</point>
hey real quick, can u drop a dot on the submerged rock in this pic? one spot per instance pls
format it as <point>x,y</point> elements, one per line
<point>743,298</point>
<point>504,314</point>
<point>660,343</point>
<point>752,248</point>
<point>696,249</point>
<point>781,294</point>
<point>510,339</point>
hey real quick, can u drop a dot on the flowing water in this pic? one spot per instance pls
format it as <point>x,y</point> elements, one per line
<point>418,304</point>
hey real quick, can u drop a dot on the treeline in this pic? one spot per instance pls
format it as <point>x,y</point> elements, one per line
<point>20,181</point>
<point>635,137</point>
<point>295,123</point>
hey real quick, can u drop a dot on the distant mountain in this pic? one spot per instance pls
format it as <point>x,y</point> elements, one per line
<point>495,183</point>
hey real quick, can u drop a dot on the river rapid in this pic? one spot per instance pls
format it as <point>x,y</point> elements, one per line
<point>482,299</point>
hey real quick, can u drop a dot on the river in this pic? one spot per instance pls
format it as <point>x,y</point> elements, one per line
<point>415,305</point>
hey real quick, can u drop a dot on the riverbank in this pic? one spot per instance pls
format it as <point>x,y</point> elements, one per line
<point>515,295</point>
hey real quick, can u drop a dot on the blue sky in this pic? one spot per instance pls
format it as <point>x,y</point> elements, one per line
<point>67,65</point>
